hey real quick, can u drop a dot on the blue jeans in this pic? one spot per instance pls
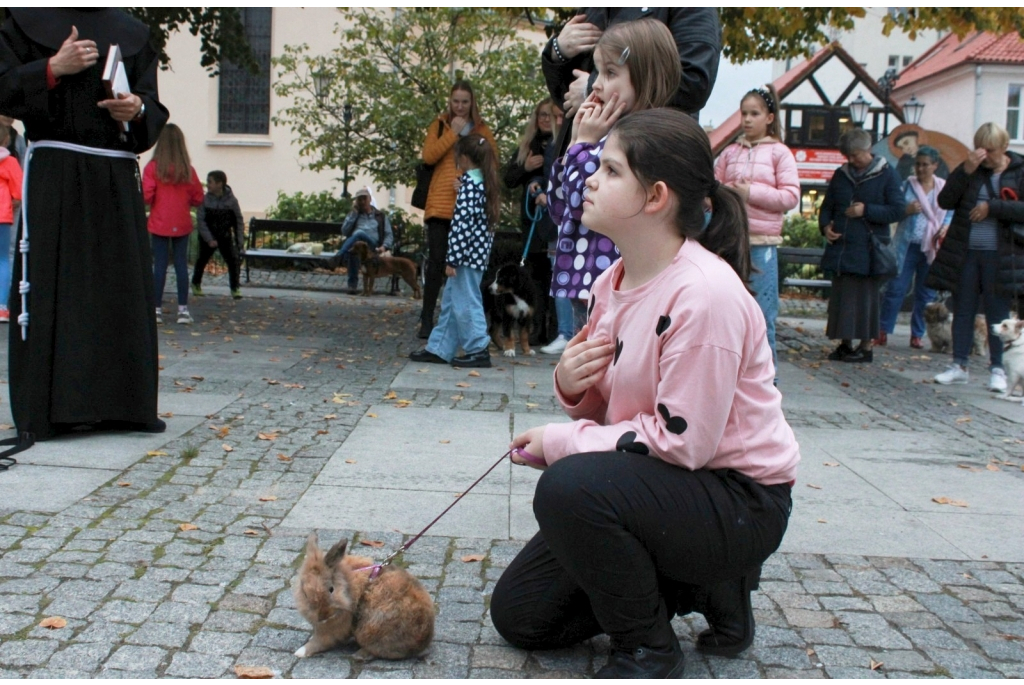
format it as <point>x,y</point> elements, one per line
<point>350,260</point>
<point>5,263</point>
<point>162,249</point>
<point>462,322</point>
<point>978,281</point>
<point>765,258</point>
<point>563,307</point>
<point>915,267</point>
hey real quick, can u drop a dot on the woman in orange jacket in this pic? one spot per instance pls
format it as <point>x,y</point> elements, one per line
<point>461,118</point>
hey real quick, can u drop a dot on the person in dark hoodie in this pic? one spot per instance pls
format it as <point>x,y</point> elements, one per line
<point>222,228</point>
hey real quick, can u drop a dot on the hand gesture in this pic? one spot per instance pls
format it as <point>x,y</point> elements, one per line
<point>578,36</point>
<point>583,363</point>
<point>974,160</point>
<point>457,183</point>
<point>542,200</point>
<point>533,442</point>
<point>449,271</point>
<point>742,188</point>
<point>913,207</point>
<point>596,119</point>
<point>458,123</point>
<point>831,235</point>
<point>124,107</point>
<point>980,212</point>
<point>577,92</point>
<point>74,55</point>
<point>856,209</point>
<point>533,162</point>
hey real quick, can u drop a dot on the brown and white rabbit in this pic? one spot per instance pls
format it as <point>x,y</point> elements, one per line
<point>391,616</point>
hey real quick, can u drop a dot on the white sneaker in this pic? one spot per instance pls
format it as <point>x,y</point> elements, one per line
<point>997,381</point>
<point>556,346</point>
<point>955,374</point>
<point>184,317</point>
<point>159,316</point>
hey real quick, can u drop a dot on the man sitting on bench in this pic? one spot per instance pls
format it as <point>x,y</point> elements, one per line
<point>367,223</point>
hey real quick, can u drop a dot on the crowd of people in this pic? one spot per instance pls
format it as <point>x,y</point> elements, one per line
<point>660,263</point>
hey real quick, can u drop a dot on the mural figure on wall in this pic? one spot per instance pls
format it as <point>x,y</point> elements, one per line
<point>901,147</point>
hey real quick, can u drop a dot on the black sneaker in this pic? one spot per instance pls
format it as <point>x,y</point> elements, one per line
<point>645,662</point>
<point>424,332</point>
<point>479,360</point>
<point>860,355</point>
<point>730,615</point>
<point>425,357</point>
<point>841,352</point>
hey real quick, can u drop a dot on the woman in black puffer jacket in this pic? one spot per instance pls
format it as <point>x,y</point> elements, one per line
<point>979,260</point>
<point>864,196</point>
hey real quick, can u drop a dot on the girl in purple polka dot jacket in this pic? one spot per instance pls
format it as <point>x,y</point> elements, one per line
<point>637,65</point>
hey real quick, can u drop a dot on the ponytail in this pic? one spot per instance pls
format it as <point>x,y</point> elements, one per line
<point>670,146</point>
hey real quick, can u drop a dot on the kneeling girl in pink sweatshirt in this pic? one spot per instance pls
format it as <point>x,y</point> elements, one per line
<point>671,485</point>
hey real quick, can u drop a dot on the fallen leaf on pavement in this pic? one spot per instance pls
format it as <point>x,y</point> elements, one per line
<point>812,485</point>
<point>350,461</point>
<point>456,397</point>
<point>5,426</point>
<point>531,385</point>
<point>444,442</point>
<point>283,457</point>
<point>330,416</point>
<point>156,453</point>
<point>227,448</point>
<point>322,432</point>
<point>123,484</point>
<point>297,386</point>
<point>469,558</point>
<point>371,416</point>
<point>371,543</point>
<point>268,498</point>
<point>53,623</point>
<point>940,500</point>
<point>391,395</point>
<point>959,503</point>
<point>831,463</point>
<point>822,521</point>
<point>474,374</point>
<point>992,467</point>
<point>250,532</point>
<point>810,652</point>
<point>531,405</point>
<point>266,436</point>
<point>166,415</point>
<point>272,382</point>
<point>188,526</point>
<point>198,378</point>
<point>253,672</point>
<point>875,665</point>
<point>964,419</point>
<point>462,385</point>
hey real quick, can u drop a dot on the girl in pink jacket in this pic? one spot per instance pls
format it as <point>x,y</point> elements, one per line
<point>762,170</point>
<point>671,485</point>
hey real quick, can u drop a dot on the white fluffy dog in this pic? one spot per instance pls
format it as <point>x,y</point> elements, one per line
<point>1011,332</point>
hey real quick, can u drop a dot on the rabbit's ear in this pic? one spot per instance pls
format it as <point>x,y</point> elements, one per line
<point>312,546</point>
<point>336,553</point>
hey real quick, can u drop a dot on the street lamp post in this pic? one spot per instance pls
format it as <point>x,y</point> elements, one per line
<point>859,110</point>
<point>346,116</point>
<point>887,83</point>
<point>912,110</point>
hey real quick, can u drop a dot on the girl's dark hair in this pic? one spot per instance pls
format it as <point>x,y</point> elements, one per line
<point>218,176</point>
<point>669,146</point>
<point>768,97</point>
<point>478,150</point>
<point>474,110</point>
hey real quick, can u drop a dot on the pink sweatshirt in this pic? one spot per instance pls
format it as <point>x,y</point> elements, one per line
<point>770,168</point>
<point>691,380</point>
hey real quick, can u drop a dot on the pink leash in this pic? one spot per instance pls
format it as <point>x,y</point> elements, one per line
<point>375,569</point>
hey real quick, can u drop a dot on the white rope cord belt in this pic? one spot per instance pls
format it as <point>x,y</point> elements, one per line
<point>23,285</point>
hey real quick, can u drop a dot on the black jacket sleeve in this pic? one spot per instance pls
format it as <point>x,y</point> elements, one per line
<point>956,185</point>
<point>698,36</point>
<point>516,174</point>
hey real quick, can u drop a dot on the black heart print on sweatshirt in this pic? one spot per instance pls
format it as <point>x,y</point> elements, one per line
<point>618,351</point>
<point>663,323</point>
<point>674,424</point>
<point>627,443</point>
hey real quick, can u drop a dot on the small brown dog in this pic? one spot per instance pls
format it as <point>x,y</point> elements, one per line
<point>939,326</point>
<point>390,616</point>
<point>376,266</point>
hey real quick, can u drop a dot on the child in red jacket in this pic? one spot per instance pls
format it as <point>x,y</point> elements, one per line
<point>10,199</point>
<point>171,187</point>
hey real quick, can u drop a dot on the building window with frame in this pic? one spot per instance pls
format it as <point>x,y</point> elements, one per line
<point>244,97</point>
<point>1013,124</point>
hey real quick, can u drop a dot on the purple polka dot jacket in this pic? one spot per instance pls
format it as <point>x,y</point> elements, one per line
<point>581,255</point>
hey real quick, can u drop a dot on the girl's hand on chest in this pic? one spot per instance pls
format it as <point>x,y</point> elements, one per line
<point>583,363</point>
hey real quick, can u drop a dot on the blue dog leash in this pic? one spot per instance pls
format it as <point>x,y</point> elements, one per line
<point>534,217</point>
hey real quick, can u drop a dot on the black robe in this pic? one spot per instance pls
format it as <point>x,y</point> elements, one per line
<point>91,352</point>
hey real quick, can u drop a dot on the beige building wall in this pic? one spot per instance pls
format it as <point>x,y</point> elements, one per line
<point>258,166</point>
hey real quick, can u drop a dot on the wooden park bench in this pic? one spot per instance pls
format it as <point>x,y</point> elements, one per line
<point>803,255</point>
<point>280,234</point>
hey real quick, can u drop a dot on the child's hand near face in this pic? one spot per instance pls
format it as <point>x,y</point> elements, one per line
<point>595,119</point>
<point>583,363</point>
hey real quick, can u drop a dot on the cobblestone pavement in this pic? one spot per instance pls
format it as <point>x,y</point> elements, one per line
<point>145,595</point>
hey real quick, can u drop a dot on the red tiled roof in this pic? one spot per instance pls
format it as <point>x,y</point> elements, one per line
<point>951,51</point>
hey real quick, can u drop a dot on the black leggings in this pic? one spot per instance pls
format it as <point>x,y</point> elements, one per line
<point>437,252</point>
<point>619,534</point>
<point>226,246</point>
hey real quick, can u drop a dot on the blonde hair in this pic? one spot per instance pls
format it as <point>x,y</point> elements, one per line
<point>530,132</point>
<point>648,50</point>
<point>173,164</point>
<point>991,135</point>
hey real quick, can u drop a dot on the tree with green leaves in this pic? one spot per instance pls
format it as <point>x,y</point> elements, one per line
<point>394,69</point>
